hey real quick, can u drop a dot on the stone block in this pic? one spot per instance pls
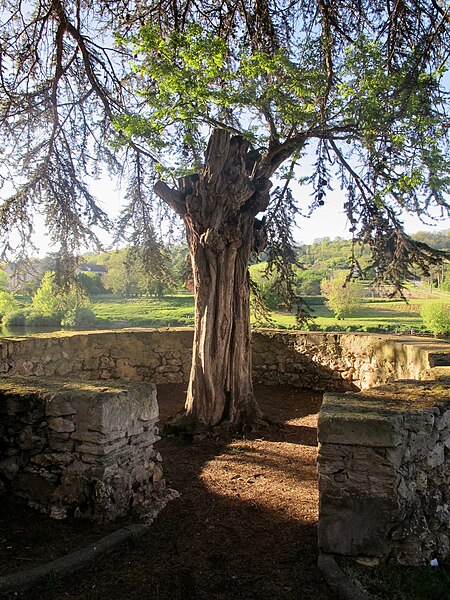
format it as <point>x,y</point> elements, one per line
<point>61,425</point>
<point>357,525</point>
<point>93,455</point>
<point>348,419</point>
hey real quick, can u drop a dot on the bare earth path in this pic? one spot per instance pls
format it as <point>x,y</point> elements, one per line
<point>244,527</point>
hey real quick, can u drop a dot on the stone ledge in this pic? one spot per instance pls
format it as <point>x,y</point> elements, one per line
<point>376,417</point>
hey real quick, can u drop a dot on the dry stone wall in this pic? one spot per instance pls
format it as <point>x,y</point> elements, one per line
<point>84,449</point>
<point>159,356</point>
<point>383,461</point>
<point>319,361</point>
<point>384,472</point>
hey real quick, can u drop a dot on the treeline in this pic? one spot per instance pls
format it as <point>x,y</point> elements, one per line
<point>122,272</point>
<point>128,274</point>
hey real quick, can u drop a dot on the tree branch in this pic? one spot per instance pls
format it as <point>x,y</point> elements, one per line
<point>171,197</point>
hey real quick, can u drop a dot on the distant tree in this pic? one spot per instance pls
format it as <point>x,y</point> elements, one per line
<point>92,283</point>
<point>50,300</point>
<point>46,300</point>
<point>269,285</point>
<point>8,303</point>
<point>446,279</point>
<point>436,317</point>
<point>342,296</point>
<point>4,280</point>
<point>309,281</point>
<point>435,239</point>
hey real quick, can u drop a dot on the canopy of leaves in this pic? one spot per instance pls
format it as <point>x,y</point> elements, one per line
<point>342,296</point>
<point>349,91</point>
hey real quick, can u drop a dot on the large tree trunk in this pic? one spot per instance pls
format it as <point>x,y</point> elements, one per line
<point>219,208</point>
<point>220,387</point>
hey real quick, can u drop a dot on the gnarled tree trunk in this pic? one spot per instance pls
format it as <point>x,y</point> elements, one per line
<point>219,207</point>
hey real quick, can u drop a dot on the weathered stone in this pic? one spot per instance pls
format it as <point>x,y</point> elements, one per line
<point>353,526</point>
<point>95,461</point>
<point>95,437</point>
<point>100,449</point>
<point>60,406</point>
<point>389,502</point>
<point>29,440</point>
<point>435,458</point>
<point>333,362</point>
<point>9,467</point>
<point>347,419</point>
<point>61,425</point>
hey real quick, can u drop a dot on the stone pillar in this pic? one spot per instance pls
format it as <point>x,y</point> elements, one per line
<point>384,474</point>
<point>77,448</point>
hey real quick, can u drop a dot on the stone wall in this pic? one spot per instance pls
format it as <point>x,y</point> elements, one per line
<point>383,454</point>
<point>158,356</point>
<point>83,449</point>
<point>319,361</point>
<point>341,361</point>
<point>384,472</point>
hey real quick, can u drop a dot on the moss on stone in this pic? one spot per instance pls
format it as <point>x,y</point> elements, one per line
<point>44,387</point>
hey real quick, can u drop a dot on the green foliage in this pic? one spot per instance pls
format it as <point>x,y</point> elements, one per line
<point>92,283</point>
<point>46,300</point>
<point>7,303</point>
<point>4,280</point>
<point>267,285</point>
<point>435,239</point>
<point>307,282</point>
<point>78,317</point>
<point>16,318</point>
<point>436,317</point>
<point>195,76</point>
<point>342,296</point>
<point>52,306</point>
<point>36,319</point>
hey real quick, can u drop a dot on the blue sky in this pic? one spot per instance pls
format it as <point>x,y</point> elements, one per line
<point>327,221</point>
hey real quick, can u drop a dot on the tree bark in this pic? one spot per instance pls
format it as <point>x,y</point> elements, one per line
<point>219,207</point>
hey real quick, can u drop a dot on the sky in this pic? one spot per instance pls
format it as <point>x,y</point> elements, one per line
<point>329,220</point>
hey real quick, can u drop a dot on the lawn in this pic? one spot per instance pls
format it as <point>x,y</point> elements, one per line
<point>170,311</point>
<point>375,314</point>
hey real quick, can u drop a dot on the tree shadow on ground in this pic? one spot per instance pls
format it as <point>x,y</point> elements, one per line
<point>244,526</point>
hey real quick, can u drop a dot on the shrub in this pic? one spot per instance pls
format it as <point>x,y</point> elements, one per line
<point>7,303</point>
<point>342,296</point>
<point>16,318</point>
<point>37,319</point>
<point>79,317</point>
<point>436,317</point>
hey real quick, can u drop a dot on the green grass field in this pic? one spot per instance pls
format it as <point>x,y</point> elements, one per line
<point>178,310</point>
<point>374,314</point>
<point>171,311</point>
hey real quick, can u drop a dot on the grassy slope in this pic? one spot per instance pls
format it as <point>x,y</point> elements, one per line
<point>171,311</point>
<point>179,311</point>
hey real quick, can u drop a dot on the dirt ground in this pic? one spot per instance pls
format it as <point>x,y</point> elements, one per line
<point>244,526</point>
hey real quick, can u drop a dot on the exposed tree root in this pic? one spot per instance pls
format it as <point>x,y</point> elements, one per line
<point>184,425</point>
